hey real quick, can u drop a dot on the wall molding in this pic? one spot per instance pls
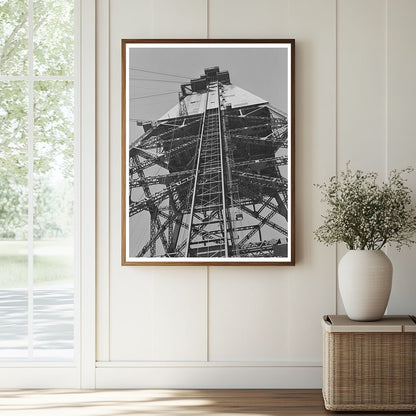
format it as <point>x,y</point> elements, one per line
<point>87,195</point>
<point>204,364</point>
<point>46,376</point>
<point>103,178</point>
<point>208,377</point>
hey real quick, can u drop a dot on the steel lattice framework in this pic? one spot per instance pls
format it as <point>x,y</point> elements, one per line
<point>207,178</point>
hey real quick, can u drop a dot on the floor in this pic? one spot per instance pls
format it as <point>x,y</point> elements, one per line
<point>164,402</point>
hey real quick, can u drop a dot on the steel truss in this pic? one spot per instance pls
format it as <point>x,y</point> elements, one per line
<point>211,184</point>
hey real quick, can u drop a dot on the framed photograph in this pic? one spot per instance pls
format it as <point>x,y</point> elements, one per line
<point>208,163</point>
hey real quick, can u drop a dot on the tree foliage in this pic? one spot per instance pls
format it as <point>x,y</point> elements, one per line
<point>13,37</point>
<point>53,37</point>
<point>53,118</point>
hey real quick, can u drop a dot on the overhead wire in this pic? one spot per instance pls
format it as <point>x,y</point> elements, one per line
<point>159,73</point>
<point>153,95</point>
<point>157,169</point>
<point>154,80</point>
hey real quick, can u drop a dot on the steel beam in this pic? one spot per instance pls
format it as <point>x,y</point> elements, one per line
<point>223,183</point>
<point>156,198</point>
<point>196,176</point>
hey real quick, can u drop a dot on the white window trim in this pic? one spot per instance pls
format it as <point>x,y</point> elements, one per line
<point>88,195</point>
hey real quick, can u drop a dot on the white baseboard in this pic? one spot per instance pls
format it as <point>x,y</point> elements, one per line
<point>169,375</point>
<point>209,377</point>
<point>39,378</point>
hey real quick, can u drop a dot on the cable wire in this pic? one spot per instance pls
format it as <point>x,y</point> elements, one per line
<point>159,73</point>
<point>154,80</point>
<point>153,95</point>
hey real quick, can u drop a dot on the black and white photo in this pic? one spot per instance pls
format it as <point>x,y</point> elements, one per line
<point>207,152</point>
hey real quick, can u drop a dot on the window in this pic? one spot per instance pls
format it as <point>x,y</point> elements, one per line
<point>38,186</point>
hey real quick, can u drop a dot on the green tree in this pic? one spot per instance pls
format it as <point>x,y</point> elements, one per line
<point>13,37</point>
<point>53,118</point>
<point>13,159</point>
<point>13,209</point>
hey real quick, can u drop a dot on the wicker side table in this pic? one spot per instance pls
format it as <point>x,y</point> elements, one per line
<point>369,366</point>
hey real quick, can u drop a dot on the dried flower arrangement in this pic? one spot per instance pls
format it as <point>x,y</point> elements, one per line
<point>366,215</point>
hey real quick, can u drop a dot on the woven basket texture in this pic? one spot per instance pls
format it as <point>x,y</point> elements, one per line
<point>369,371</point>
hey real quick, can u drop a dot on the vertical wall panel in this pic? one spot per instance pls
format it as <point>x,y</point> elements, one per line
<point>159,316</point>
<point>312,282</point>
<point>102,192</point>
<point>179,18</point>
<point>247,19</point>
<point>179,325</point>
<point>361,84</point>
<point>312,24</point>
<point>248,314</point>
<point>401,143</point>
<point>140,327</point>
<point>131,315</point>
<point>361,89</point>
<point>248,306</point>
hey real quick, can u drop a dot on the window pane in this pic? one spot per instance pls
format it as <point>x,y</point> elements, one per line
<point>13,324</point>
<point>53,196</point>
<point>13,37</point>
<point>53,176</point>
<point>13,219</point>
<point>53,319</point>
<point>13,174</point>
<point>53,37</point>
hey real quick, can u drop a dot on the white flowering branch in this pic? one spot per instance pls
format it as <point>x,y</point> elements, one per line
<point>365,215</point>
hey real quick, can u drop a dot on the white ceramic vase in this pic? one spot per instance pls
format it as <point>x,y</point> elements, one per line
<point>364,278</point>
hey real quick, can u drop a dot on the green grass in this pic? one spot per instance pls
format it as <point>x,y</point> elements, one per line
<point>52,264</point>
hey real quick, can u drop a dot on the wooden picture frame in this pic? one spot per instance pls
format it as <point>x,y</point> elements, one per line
<point>208,152</point>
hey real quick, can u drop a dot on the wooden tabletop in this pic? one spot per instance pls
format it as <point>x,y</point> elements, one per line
<point>390,323</point>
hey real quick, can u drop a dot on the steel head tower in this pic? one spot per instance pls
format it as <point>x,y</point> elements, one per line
<point>210,176</point>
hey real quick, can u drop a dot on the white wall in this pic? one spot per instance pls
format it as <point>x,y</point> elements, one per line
<point>254,326</point>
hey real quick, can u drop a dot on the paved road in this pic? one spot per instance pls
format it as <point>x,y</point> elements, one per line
<point>53,323</point>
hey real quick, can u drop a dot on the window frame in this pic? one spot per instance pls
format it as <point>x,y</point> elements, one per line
<point>81,371</point>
